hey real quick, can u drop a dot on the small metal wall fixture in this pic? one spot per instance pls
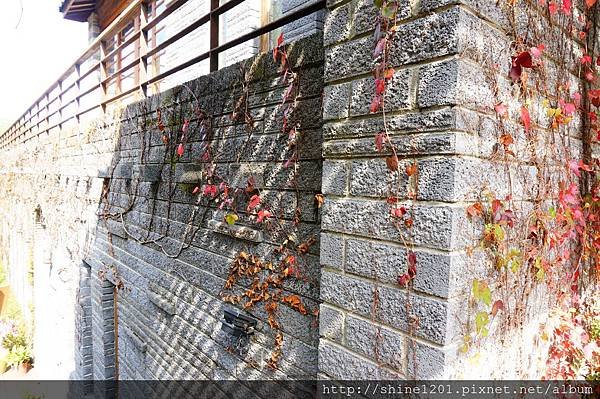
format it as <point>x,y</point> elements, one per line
<point>238,324</point>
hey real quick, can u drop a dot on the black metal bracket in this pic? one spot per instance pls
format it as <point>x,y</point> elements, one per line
<point>237,324</point>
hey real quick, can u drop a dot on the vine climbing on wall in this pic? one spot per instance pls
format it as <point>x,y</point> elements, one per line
<point>535,222</point>
<point>272,278</point>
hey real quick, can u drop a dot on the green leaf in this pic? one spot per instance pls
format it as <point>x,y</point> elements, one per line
<point>515,265</point>
<point>482,292</point>
<point>389,10</point>
<point>552,212</point>
<point>540,272</point>
<point>231,218</point>
<point>378,3</point>
<point>514,259</point>
<point>498,232</point>
<point>481,321</point>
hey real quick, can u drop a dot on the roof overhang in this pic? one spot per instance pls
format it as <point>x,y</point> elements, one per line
<point>77,10</point>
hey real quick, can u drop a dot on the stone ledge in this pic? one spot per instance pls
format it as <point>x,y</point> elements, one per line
<point>137,341</point>
<point>150,173</point>
<point>156,296</point>
<point>121,171</point>
<point>241,232</point>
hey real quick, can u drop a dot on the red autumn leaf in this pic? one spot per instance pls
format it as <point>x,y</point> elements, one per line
<point>411,169</point>
<point>392,200</point>
<point>506,140</point>
<point>475,210</point>
<point>515,72</point>
<point>526,118</point>
<point>497,306</point>
<point>537,51</point>
<point>412,263</point>
<point>409,223</point>
<point>180,149</point>
<point>398,212</point>
<point>590,76</point>
<point>254,201</point>
<point>501,110</point>
<point>379,140</point>
<point>276,51</point>
<point>552,7</point>
<point>262,214</point>
<point>403,280</point>
<point>523,59</point>
<point>210,190</point>
<point>566,6</point>
<point>379,86</point>
<point>594,97</point>
<point>496,206</point>
<point>389,73</point>
<point>590,3</point>
<point>196,190</point>
<point>290,259</point>
<point>392,163</point>
<point>585,59</point>
<point>376,104</point>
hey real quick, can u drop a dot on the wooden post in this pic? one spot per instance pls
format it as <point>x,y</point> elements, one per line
<point>142,50</point>
<point>78,98</point>
<point>103,76</point>
<point>214,35</point>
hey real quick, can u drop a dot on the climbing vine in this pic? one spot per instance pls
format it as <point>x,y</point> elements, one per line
<point>270,279</point>
<point>541,229</point>
<point>543,233</point>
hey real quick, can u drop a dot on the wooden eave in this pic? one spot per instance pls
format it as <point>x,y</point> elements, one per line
<point>77,10</point>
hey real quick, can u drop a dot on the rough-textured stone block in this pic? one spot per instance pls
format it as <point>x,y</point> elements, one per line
<point>433,225</point>
<point>242,232</point>
<point>432,36</point>
<point>386,262</point>
<point>331,323</point>
<point>337,25</point>
<point>335,177</point>
<point>353,294</point>
<point>335,101</point>
<point>339,65</point>
<point>438,85</point>
<point>396,95</point>
<point>427,362</point>
<point>428,317</point>
<point>332,250</point>
<point>382,344</point>
<point>339,363</point>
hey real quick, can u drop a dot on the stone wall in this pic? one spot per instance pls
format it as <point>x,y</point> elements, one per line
<point>447,56</point>
<point>165,318</point>
<point>120,212</point>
